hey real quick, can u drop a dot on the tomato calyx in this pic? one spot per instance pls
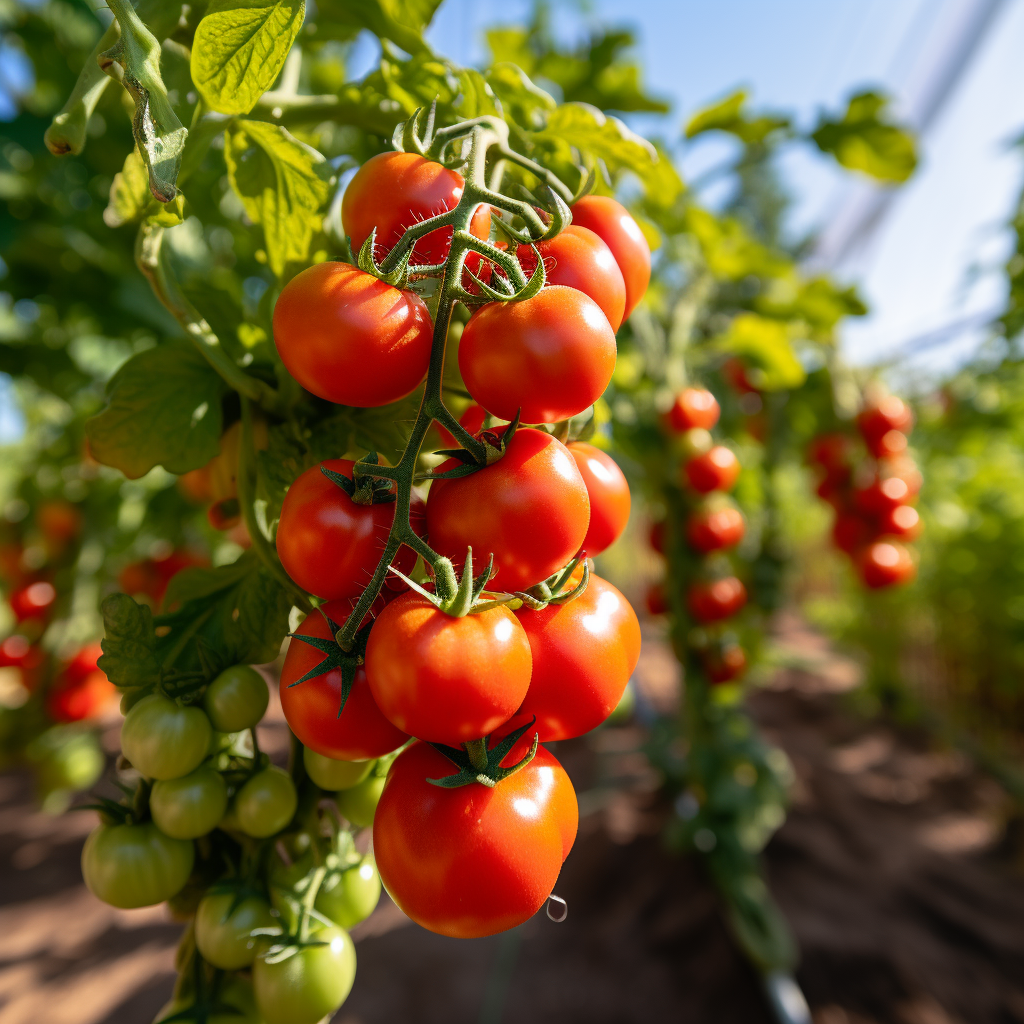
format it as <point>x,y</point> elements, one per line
<point>464,596</point>
<point>495,445</point>
<point>336,658</point>
<point>477,763</point>
<point>363,488</point>
<point>550,591</point>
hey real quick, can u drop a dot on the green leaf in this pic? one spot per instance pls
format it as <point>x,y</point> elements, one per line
<point>864,141</point>
<point>401,21</point>
<point>522,100</point>
<point>819,303</point>
<point>765,347</point>
<point>163,409</point>
<point>283,184</point>
<point>129,643</point>
<point>239,49</point>
<point>131,199</point>
<point>730,251</point>
<point>728,115</point>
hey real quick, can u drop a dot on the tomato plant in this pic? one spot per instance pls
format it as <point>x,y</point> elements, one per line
<point>608,493</point>
<point>225,921</point>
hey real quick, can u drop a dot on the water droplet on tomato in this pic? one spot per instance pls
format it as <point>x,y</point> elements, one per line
<point>557,909</point>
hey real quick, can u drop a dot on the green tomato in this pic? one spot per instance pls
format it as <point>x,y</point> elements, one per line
<point>135,865</point>
<point>310,984</point>
<point>359,803</point>
<point>331,774</point>
<point>237,699</point>
<point>266,803</point>
<point>73,765</point>
<point>350,896</point>
<point>236,992</point>
<point>191,806</point>
<point>224,936</point>
<point>164,740</point>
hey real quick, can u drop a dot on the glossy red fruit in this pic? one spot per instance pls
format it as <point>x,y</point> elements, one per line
<point>361,732</point>
<point>395,191</point>
<point>328,543</point>
<point>578,258</point>
<point>725,664</point>
<point>891,413</point>
<point>609,496</point>
<point>850,531</point>
<point>892,442</point>
<point>713,528</point>
<point>446,679</point>
<point>715,470</point>
<point>348,337</point>
<point>529,509</point>
<point>547,358</point>
<point>614,224</point>
<point>693,407</point>
<point>33,601</point>
<point>715,600</point>
<point>902,522</point>
<point>584,652</point>
<point>882,494</point>
<point>73,699</point>
<point>885,563</point>
<point>833,452</point>
<point>473,861</point>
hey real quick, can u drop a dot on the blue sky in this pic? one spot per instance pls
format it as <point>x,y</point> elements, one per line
<point>936,258</point>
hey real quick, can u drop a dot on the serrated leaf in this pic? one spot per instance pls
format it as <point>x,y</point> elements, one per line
<point>163,409</point>
<point>765,347</point>
<point>283,184</point>
<point>129,642</point>
<point>239,49</point>
<point>131,199</point>
<point>863,140</point>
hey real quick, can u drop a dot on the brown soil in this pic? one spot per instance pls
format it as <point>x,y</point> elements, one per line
<point>893,870</point>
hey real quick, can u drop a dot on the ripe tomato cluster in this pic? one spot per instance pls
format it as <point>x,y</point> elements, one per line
<point>713,526</point>
<point>873,492</point>
<point>473,820</point>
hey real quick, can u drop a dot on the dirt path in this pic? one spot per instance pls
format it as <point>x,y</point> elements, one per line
<point>906,907</point>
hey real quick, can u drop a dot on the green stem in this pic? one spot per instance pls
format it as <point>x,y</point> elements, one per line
<point>477,752</point>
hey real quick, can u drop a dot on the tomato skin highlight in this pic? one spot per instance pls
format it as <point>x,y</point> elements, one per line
<point>714,529</point>
<point>578,258</point>
<point>885,563</point>
<point>693,408</point>
<point>311,708</point>
<point>584,652</point>
<point>716,600</point>
<point>530,509</point>
<point>328,543</point>
<point>609,496</point>
<point>550,356</point>
<point>349,338</point>
<point>473,861</point>
<point>615,226</point>
<point>891,413</point>
<point>445,679</point>
<point>395,191</point>
<point>715,470</point>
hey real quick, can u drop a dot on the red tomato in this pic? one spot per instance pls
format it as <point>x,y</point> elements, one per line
<point>656,536</point>
<point>329,544</point>
<point>472,419</point>
<point>548,358</point>
<point>361,732</point>
<point>891,413</point>
<point>473,861</point>
<point>33,601</point>
<point>348,337</point>
<point>583,655</point>
<point>609,496</point>
<point>59,521</point>
<point>715,470</point>
<point>656,599</point>
<point>736,374</point>
<point>195,485</point>
<point>726,664</point>
<point>902,522</point>
<point>713,529</point>
<point>529,509</point>
<point>612,222</point>
<point>831,451</point>
<point>850,531</point>
<point>904,467</point>
<point>892,442</point>
<point>72,700</point>
<point>446,679</point>
<point>395,191</point>
<point>578,258</point>
<point>14,651</point>
<point>693,407</point>
<point>716,599</point>
<point>882,494</point>
<point>84,663</point>
<point>834,491</point>
<point>885,563</point>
